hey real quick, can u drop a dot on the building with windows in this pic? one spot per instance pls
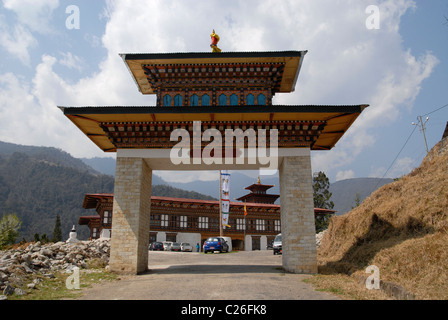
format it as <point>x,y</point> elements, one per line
<point>193,221</point>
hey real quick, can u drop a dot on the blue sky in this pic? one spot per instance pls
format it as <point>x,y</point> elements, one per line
<point>400,70</point>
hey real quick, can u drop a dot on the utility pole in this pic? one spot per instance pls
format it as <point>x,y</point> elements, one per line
<point>421,125</point>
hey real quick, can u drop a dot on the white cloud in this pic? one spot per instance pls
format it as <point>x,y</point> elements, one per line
<point>343,175</point>
<point>17,41</point>
<point>72,61</point>
<point>31,16</point>
<point>36,15</point>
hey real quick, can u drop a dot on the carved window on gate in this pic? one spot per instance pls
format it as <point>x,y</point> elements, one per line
<point>178,100</point>
<point>194,100</point>
<point>250,99</point>
<point>167,100</point>
<point>205,100</point>
<point>233,100</point>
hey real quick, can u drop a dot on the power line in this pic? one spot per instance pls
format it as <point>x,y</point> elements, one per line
<point>407,140</point>
<point>435,110</point>
<point>421,125</point>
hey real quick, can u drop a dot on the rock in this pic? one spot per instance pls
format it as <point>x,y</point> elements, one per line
<point>18,265</point>
<point>19,292</point>
<point>31,286</point>
<point>3,297</point>
<point>8,290</point>
<point>6,257</point>
<point>3,276</point>
<point>46,252</point>
<point>319,237</point>
<point>27,269</point>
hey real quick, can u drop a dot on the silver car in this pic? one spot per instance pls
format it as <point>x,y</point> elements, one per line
<point>186,247</point>
<point>175,246</point>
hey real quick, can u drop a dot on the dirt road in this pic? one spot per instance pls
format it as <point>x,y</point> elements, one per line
<point>254,275</point>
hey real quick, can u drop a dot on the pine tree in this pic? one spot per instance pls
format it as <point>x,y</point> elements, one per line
<point>322,197</point>
<point>57,233</point>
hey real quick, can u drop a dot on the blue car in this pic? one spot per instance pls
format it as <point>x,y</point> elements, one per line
<point>215,244</point>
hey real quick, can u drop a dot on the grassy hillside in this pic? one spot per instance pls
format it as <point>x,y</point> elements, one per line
<point>402,228</point>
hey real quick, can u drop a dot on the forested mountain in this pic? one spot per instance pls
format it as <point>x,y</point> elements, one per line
<point>38,190</point>
<point>168,191</point>
<point>38,183</point>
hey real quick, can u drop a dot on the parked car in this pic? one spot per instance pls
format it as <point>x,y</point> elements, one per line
<point>167,245</point>
<point>156,246</point>
<point>215,244</point>
<point>277,246</point>
<point>185,246</point>
<point>175,246</point>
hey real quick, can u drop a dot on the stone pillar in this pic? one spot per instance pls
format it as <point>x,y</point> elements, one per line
<point>297,215</point>
<point>131,216</point>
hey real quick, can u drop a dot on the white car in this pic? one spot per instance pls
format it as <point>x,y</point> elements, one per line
<point>167,245</point>
<point>186,247</point>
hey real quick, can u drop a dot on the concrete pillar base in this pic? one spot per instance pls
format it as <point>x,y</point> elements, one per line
<point>131,216</point>
<point>297,215</point>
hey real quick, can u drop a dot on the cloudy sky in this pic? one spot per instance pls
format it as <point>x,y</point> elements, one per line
<point>50,58</point>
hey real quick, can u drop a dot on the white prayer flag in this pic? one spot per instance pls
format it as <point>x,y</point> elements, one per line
<point>225,197</point>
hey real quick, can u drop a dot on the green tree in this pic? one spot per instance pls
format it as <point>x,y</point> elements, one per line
<point>44,238</point>
<point>57,232</point>
<point>9,229</point>
<point>322,197</point>
<point>357,201</point>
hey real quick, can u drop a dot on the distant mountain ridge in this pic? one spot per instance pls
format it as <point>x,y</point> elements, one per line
<point>345,191</point>
<point>50,154</point>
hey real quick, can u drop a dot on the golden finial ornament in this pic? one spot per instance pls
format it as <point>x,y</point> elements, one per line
<point>215,40</point>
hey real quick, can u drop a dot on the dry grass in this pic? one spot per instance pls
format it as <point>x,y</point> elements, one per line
<point>345,287</point>
<point>402,228</point>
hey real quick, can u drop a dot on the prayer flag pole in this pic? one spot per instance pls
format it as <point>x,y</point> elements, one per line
<point>220,204</point>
